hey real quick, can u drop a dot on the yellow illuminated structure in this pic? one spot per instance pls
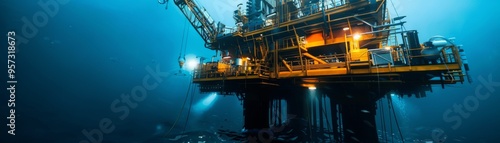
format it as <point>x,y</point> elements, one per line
<point>347,50</point>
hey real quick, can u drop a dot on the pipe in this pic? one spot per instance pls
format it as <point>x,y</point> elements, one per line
<point>388,25</point>
<point>325,26</point>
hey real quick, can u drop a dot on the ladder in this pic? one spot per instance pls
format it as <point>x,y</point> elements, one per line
<point>453,76</point>
<point>264,72</point>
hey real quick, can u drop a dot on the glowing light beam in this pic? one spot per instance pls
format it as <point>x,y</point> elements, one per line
<point>205,104</point>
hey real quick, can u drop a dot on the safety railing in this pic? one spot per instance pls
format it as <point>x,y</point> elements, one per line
<point>287,42</point>
<point>444,55</point>
<point>332,61</point>
<point>212,70</point>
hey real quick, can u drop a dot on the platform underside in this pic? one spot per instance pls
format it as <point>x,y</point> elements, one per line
<point>395,78</point>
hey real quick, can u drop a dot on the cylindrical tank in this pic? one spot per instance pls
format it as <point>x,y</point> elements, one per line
<point>439,43</point>
<point>432,53</point>
<point>413,41</point>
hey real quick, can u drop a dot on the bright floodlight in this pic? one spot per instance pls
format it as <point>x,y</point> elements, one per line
<point>346,28</point>
<point>357,36</point>
<point>208,101</point>
<point>192,64</point>
<point>312,88</point>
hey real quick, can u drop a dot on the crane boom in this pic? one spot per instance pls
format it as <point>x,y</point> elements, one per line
<point>199,19</point>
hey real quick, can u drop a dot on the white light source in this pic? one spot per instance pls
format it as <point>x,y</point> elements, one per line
<point>192,64</point>
<point>357,36</point>
<point>312,88</point>
<point>346,28</point>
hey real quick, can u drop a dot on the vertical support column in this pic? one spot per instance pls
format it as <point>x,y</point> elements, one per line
<point>256,110</point>
<point>280,119</point>
<point>335,119</point>
<point>358,119</point>
<point>271,119</point>
<point>297,105</point>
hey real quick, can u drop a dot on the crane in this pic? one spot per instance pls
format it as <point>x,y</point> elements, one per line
<point>199,18</point>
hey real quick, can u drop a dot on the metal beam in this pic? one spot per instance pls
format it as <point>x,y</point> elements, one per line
<point>286,65</point>
<point>314,58</point>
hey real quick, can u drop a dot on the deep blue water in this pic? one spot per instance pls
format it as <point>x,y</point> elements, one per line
<point>91,52</point>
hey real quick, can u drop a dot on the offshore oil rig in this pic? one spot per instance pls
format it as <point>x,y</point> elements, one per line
<point>330,61</point>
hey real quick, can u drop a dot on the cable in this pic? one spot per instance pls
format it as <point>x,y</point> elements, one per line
<point>394,8</point>
<point>378,86</point>
<point>396,119</point>
<point>383,120</point>
<point>186,41</point>
<point>184,37</point>
<point>390,117</point>
<point>180,113</point>
<point>189,109</point>
<point>182,59</point>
